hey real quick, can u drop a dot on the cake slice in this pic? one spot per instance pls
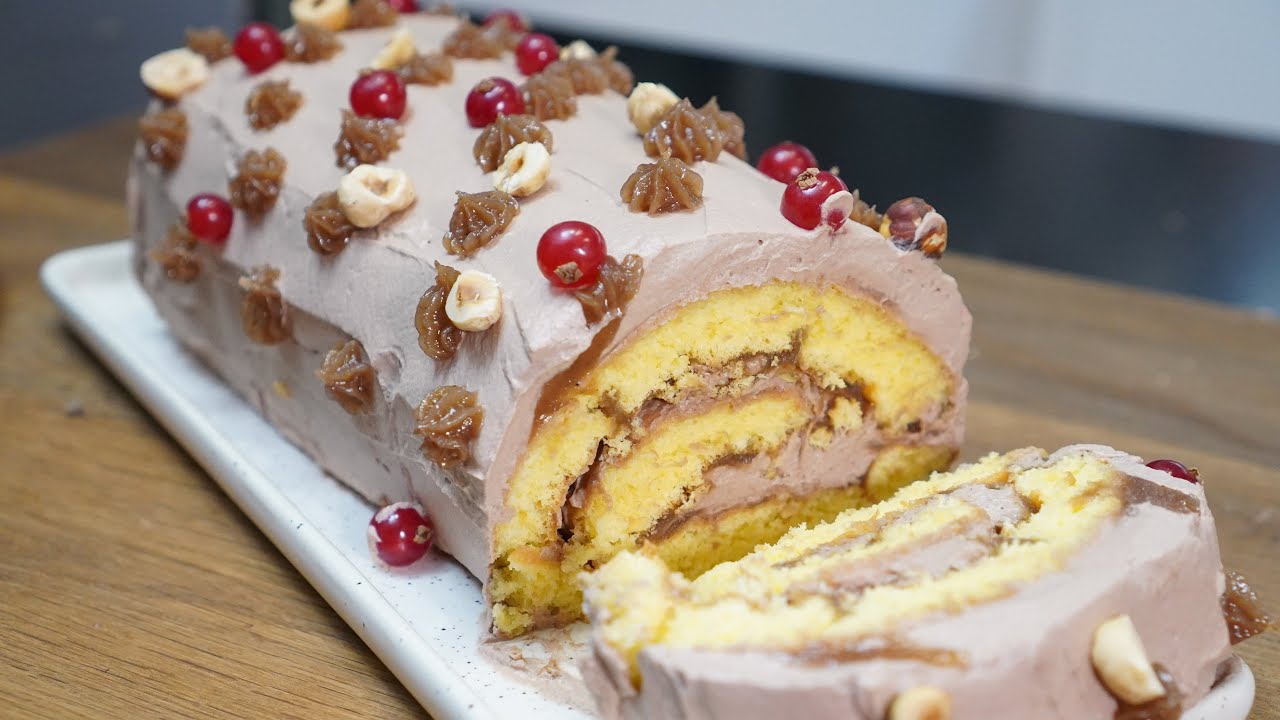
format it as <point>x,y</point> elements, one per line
<point>1021,586</point>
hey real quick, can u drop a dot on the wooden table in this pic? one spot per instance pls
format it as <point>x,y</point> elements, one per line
<point>130,586</point>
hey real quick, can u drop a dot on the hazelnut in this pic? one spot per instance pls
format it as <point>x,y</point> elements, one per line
<point>370,194</point>
<point>913,224</point>
<point>398,51</point>
<point>524,169</point>
<point>1121,662</point>
<point>328,14</point>
<point>647,103</point>
<point>921,703</point>
<point>577,50</point>
<point>174,73</point>
<point>474,302</point>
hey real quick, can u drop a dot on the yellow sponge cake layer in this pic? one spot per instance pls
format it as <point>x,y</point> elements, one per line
<point>757,378</point>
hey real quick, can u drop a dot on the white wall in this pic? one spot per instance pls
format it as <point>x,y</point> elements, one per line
<point>1178,62</point>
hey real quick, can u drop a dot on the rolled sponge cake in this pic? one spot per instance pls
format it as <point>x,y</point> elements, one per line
<point>761,376</point>
<point>979,593</point>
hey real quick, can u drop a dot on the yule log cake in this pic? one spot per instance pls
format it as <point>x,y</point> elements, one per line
<point>564,315</point>
<point>1078,585</point>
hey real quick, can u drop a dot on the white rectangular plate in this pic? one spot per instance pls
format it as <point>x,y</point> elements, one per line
<point>425,624</point>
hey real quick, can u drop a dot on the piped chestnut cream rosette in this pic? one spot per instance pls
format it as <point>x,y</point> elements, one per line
<point>1081,584</point>
<point>567,323</point>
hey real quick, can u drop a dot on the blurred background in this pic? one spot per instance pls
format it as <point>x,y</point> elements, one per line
<point>1134,141</point>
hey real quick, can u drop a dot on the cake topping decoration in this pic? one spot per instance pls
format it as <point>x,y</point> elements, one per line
<point>570,254</point>
<point>921,703</point>
<point>371,14</point>
<point>808,200</point>
<point>1241,610</point>
<point>263,312</point>
<point>449,419</point>
<point>174,73</point>
<point>474,303</point>
<point>912,224</point>
<point>619,75</point>
<point>429,69</point>
<point>667,185</point>
<point>616,284</point>
<point>1166,707</point>
<point>258,45</point>
<point>492,98</point>
<point>578,50</point>
<point>398,51</point>
<point>865,214</point>
<point>508,17</point>
<point>504,133</point>
<point>785,161</point>
<point>469,41</point>
<point>731,128</point>
<point>370,194</point>
<point>164,137</point>
<point>438,337</point>
<point>648,102</point>
<point>1120,660</point>
<point>329,14</point>
<point>366,141</point>
<point>586,76</point>
<point>210,43</point>
<point>535,52</point>
<point>400,534</point>
<point>328,229</point>
<point>549,97</point>
<point>524,170</point>
<point>684,133</point>
<point>177,254</point>
<point>209,218</point>
<point>348,378</point>
<point>478,218</point>
<point>1176,469</point>
<point>311,43</point>
<point>378,94</point>
<point>407,6</point>
<point>271,103</point>
<point>256,186</point>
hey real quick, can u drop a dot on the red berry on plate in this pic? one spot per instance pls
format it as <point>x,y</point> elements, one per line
<point>492,97</point>
<point>1176,469</point>
<point>802,200</point>
<point>404,6</point>
<point>209,218</point>
<point>378,94</point>
<point>258,45</point>
<point>535,52</point>
<point>510,17</point>
<point>570,254</point>
<point>401,533</point>
<point>786,160</point>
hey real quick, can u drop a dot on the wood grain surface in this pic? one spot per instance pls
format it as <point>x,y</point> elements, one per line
<point>131,587</point>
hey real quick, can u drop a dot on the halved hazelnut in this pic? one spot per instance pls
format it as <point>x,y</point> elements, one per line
<point>921,703</point>
<point>174,73</point>
<point>1121,662</point>
<point>474,302</point>
<point>577,50</point>
<point>647,103</point>
<point>524,169</point>
<point>398,51</point>
<point>370,194</point>
<point>328,14</point>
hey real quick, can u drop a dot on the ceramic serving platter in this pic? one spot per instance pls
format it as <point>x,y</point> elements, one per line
<point>424,623</point>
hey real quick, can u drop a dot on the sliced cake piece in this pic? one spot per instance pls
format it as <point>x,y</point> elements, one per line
<point>1021,586</point>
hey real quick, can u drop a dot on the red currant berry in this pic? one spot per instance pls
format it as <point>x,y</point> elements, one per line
<point>492,97</point>
<point>258,45</point>
<point>784,161</point>
<point>378,94</point>
<point>401,533</point>
<point>535,52</point>
<point>570,254</point>
<point>1176,469</point>
<point>209,218</point>
<point>404,6</point>
<point>513,20</point>
<point>802,200</point>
